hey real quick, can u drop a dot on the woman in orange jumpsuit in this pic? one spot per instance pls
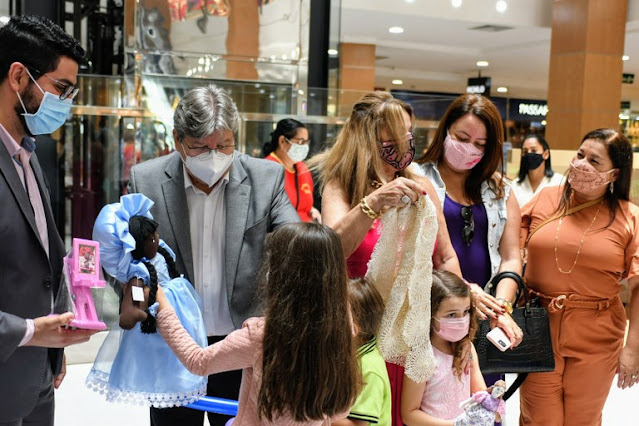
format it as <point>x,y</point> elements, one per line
<point>574,265</point>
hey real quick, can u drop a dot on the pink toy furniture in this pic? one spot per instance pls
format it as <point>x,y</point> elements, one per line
<point>83,266</point>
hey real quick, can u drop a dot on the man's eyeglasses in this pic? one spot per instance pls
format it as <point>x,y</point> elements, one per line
<point>207,150</point>
<point>297,141</point>
<point>468,231</point>
<point>67,91</point>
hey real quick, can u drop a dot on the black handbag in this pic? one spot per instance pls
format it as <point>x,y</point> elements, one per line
<point>534,354</point>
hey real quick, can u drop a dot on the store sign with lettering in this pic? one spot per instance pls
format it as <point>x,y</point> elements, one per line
<point>537,110</point>
<point>479,86</point>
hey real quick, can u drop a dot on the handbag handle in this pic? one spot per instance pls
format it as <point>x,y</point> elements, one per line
<point>521,287</point>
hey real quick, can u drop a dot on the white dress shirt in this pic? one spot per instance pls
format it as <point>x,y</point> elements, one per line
<point>523,190</point>
<point>207,218</point>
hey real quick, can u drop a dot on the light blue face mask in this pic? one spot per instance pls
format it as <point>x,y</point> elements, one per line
<point>51,114</point>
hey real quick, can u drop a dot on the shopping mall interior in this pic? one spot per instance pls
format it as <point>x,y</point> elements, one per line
<point>556,68</point>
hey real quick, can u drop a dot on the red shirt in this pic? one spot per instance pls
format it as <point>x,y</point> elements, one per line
<point>298,184</point>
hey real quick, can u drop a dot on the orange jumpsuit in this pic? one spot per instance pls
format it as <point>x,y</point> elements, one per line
<point>588,325</point>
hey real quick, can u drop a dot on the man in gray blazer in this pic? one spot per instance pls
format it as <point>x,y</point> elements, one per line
<point>38,70</point>
<point>215,207</point>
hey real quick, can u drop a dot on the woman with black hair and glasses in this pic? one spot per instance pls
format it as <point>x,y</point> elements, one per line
<point>535,171</point>
<point>289,146</point>
<point>482,215</point>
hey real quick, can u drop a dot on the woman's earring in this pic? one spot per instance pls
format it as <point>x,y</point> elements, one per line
<point>612,187</point>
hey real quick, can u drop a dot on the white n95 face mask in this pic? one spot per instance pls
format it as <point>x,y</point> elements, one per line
<point>297,152</point>
<point>210,166</point>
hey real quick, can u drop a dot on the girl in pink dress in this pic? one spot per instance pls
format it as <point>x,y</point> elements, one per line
<point>437,402</point>
<point>299,360</point>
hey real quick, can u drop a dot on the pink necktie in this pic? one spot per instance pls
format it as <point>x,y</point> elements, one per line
<point>35,198</point>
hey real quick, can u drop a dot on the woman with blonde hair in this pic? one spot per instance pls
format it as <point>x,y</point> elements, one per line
<point>365,175</point>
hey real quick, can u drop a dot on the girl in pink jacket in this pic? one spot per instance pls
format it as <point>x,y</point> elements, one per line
<point>299,360</point>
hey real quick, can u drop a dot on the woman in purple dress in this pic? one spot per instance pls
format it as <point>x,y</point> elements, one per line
<point>464,162</point>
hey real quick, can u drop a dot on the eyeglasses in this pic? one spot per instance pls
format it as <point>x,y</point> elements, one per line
<point>297,141</point>
<point>468,231</point>
<point>207,150</point>
<point>67,91</point>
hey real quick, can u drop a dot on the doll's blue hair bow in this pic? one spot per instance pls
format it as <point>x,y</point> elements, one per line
<point>111,230</point>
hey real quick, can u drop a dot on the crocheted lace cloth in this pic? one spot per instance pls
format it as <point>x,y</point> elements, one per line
<point>401,268</point>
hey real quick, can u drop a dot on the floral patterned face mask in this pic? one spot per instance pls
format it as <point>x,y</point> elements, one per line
<point>583,177</point>
<point>391,155</point>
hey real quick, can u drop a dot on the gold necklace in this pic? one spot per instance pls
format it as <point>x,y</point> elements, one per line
<point>581,243</point>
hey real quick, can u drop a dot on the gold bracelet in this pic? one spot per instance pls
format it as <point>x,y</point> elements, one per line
<point>368,211</point>
<point>506,305</point>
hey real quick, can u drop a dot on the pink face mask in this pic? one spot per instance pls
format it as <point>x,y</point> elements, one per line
<point>583,177</point>
<point>391,156</point>
<point>461,155</point>
<point>453,329</point>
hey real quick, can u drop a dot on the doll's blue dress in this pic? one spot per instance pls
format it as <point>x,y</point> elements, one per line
<point>132,367</point>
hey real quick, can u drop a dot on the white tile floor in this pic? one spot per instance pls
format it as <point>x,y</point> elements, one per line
<point>78,406</point>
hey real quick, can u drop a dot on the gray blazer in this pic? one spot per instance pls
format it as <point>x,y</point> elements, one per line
<point>256,204</point>
<point>27,282</point>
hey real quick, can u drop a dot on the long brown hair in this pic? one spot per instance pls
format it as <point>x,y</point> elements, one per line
<point>354,160</point>
<point>486,169</point>
<point>367,307</point>
<point>310,367</point>
<point>445,285</point>
<point>620,153</point>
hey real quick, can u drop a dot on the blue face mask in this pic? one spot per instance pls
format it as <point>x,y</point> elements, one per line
<point>51,114</point>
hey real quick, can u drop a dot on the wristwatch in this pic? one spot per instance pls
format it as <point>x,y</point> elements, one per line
<point>506,305</point>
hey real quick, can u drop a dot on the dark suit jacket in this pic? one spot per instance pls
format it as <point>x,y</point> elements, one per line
<point>28,281</point>
<point>255,204</point>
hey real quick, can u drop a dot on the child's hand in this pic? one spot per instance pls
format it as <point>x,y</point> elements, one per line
<point>160,297</point>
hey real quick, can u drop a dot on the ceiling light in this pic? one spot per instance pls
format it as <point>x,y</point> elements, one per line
<point>395,30</point>
<point>624,117</point>
<point>409,1</point>
<point>502,89</point>
<point>456,3</point>
<point>482,63</point>
<point>4,19</point>
<point>501,6</point>
<point>543,122</point>
<point>398,81</point>
<point>333,52</point>
<point>625,57</point>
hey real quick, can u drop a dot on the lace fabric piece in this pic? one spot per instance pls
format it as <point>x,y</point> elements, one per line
<point>401,268</point>
<point>99,382</point>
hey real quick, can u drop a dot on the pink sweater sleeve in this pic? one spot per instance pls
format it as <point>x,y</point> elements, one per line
<point>237,351</point>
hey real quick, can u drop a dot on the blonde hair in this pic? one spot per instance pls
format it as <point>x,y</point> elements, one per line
<point>354,159</point>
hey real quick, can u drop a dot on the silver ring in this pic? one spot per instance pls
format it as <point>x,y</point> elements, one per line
<point>405,199</point>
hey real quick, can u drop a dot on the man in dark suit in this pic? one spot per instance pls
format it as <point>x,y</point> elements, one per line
<point>38,69</point>
<point>215,207</point>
